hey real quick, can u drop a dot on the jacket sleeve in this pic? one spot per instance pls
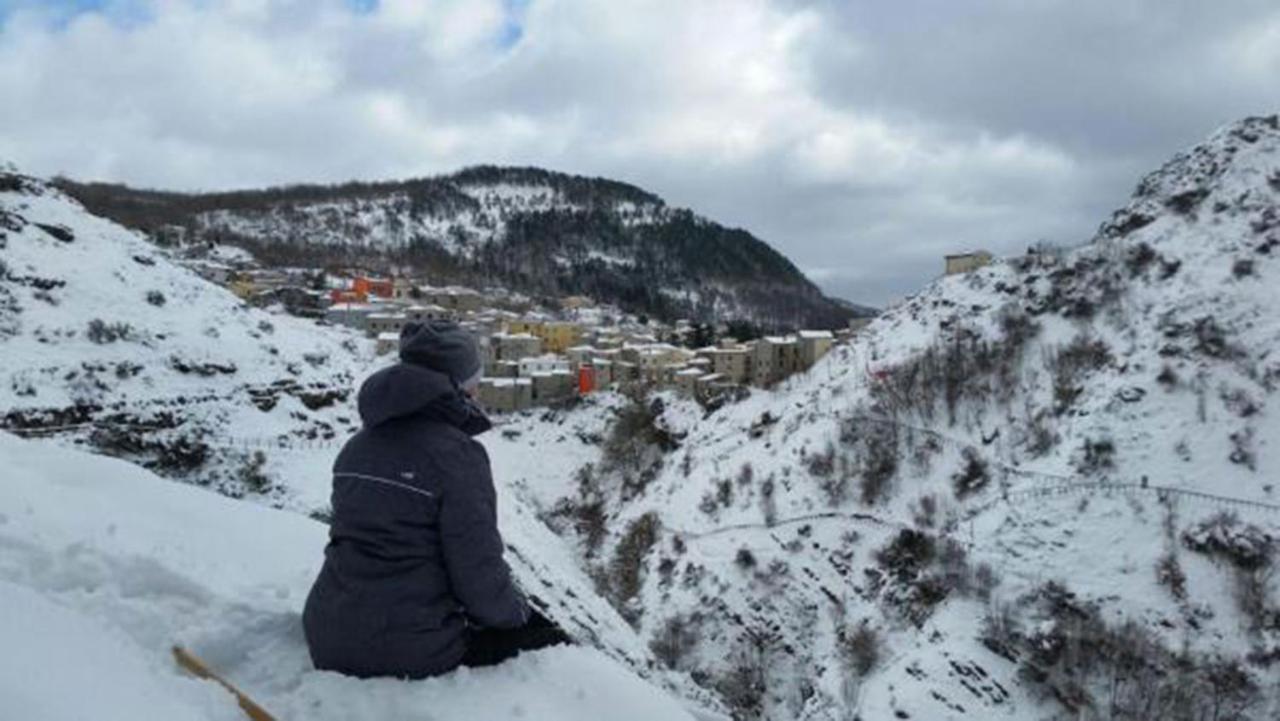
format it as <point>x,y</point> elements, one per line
<point>480,577</point>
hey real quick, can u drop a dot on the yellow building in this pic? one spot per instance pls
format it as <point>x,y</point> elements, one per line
<point>557,336</point>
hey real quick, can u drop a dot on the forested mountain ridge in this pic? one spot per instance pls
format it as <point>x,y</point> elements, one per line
<point>535,231</point>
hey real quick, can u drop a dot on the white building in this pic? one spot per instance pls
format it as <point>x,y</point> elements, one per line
<point>543,364</point>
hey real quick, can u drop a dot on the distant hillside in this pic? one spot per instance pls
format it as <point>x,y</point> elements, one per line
<point>536,231</point>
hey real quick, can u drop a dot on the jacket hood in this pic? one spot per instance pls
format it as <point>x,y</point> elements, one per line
<point>407,389</point>
<point>443,346</point>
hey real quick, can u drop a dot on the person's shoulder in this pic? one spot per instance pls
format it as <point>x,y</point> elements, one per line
<point>450,443</point>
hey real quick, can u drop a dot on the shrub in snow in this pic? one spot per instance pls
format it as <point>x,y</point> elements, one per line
<point>101,332</point>
<point>875,445</point>
<point>1224,536</point>
<point>676,638</point>
<point>251,473</point>
<point>125,370</point>
<point>1242,453</point>
<point>625,570</point>
<point>1169,574</point>
<point>1253,598</point>
<point>985,581</point>
<point>745,559</point>
<point>1169,267</point>
<point>859,649</point>
<point>972,476</point>
<point>1038,432</point>
<point>1211,339</point>
<point>206,369</point>
<point>1185,203</point>
<point>1139,258</point>
<point>1068,366</point>
<point>743,686</point>
<point>181,455</point>
<point>1096,456</point>
<point>1017,329</point>
<point>908,553</point>
<point>156,298</point>
<point>724,492</point>
<point>822,464</point>
<point>925,513</point>
<point>1123,672</point>
<point>964,366</point>
<point>709,505</point>
<point>636,444</point>
<point>1238,401</point>
<point>586,512</point>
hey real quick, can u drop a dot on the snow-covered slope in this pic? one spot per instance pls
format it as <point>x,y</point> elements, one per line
<point>103,567</point>
<point>1003,486</point>
<point>106,341</point>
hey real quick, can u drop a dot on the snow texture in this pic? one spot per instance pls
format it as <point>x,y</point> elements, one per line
<point>104,566</point>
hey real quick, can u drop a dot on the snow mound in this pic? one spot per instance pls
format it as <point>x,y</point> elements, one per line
<point>104,566</point>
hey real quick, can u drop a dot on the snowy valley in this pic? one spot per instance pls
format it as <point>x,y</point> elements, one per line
<point>1044,489</point>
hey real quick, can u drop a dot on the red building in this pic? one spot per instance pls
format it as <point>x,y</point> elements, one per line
<point>380,287</point>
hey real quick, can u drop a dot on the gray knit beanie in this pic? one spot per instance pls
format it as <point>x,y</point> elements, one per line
<point>443,346</point>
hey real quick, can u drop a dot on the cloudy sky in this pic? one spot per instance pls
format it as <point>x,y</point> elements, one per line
<point>863,139</point>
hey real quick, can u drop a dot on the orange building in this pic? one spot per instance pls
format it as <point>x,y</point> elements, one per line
<point>380,287</point>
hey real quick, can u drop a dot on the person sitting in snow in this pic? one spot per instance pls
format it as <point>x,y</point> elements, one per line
<point>413,582</point>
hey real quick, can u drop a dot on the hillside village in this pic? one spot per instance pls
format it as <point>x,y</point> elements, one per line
<point>535,354</point>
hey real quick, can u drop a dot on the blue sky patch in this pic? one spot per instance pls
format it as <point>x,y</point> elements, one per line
<point>61,12</point>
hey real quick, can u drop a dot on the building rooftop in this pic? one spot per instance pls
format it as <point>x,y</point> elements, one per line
<point>507,382</point>
<point>967,254</point>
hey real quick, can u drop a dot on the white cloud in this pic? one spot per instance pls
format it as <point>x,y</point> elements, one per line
<point>778,116</point>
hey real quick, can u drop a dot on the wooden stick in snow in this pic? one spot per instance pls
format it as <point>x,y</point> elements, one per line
<point>190,662</point>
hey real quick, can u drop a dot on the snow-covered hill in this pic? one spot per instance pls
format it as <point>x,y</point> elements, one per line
<point>539,232</point>
<point>106,341</point>
<point>103,567</point>
<point>1045,489</point>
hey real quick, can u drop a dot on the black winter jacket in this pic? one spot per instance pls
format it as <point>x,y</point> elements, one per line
<point>414,555</point>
